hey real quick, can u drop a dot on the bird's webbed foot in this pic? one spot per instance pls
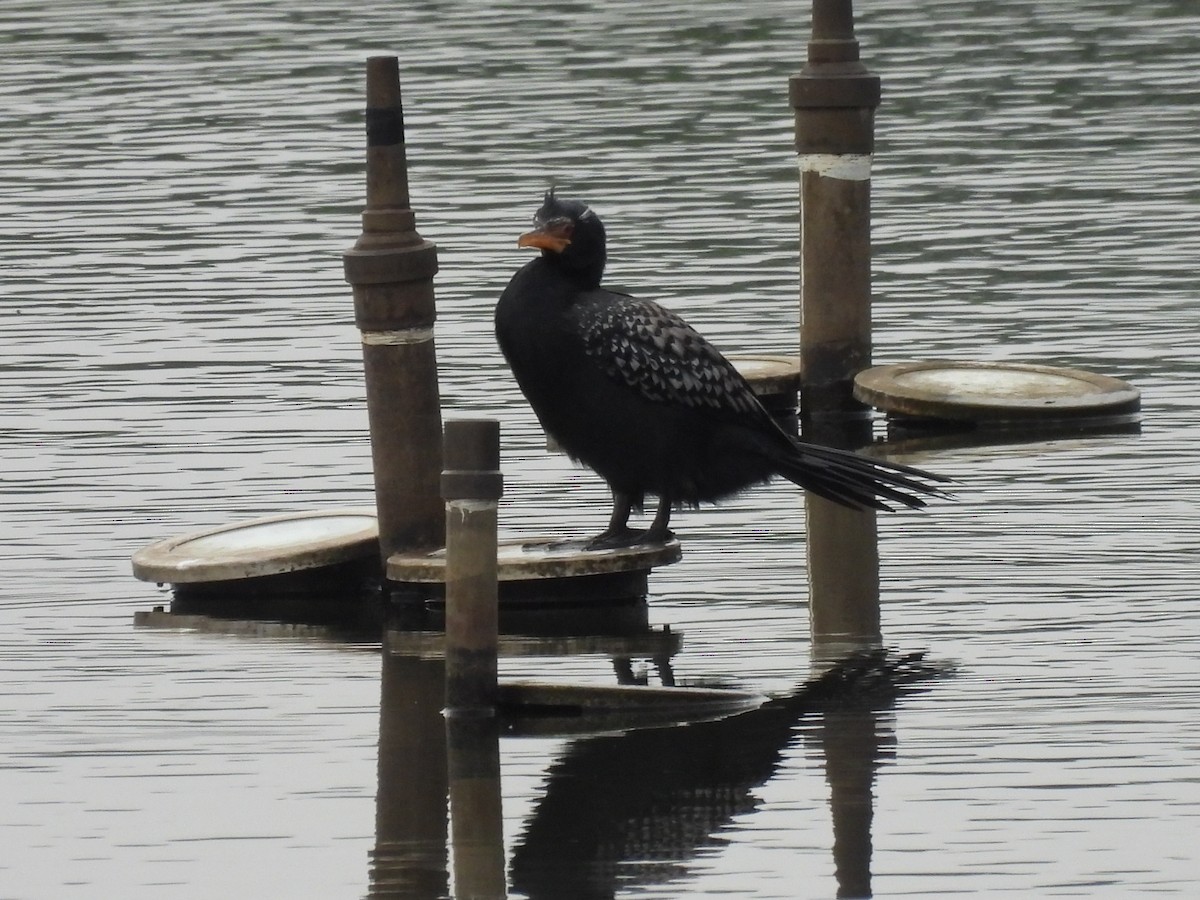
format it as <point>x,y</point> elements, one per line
<point>655,535</point>
<point>615,539</point>
<point>618,533</point>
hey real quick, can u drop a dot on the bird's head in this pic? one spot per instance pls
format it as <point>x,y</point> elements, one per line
<point>570,235</point>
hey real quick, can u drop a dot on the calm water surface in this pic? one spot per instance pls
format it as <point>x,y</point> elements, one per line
<point>179,181</point>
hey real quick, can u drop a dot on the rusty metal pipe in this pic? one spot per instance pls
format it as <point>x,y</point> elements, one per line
<point>391,269</point>
<point>834,99</point>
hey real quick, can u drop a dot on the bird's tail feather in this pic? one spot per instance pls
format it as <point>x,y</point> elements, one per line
<point>858,482</point>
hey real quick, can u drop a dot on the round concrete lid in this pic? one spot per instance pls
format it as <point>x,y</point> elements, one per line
<point>269,546</point>
<point>994,392</point>
<point>767,373</point>
<point>526,560</point>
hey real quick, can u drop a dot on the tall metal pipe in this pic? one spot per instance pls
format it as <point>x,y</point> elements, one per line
<point>391,269</point>
<point>834,99</point>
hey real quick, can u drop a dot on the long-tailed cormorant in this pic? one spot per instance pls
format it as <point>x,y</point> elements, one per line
<point>628,388</point>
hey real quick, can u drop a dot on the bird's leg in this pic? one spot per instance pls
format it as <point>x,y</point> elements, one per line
<point>618,533</point>
<point>618,522</point>
<point>658,532</point>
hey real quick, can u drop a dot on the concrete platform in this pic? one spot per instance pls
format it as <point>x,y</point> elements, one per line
<point>996,395</point>
<point>287,554</point>
<point>544,571</point>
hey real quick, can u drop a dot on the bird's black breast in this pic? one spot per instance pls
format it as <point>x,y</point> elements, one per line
<point>541,343</point>
<point>532,327</point>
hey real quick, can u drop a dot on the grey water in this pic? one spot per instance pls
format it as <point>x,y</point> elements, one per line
<point>178,183</point>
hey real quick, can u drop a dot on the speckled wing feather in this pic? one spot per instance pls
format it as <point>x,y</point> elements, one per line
<point>658,354</point>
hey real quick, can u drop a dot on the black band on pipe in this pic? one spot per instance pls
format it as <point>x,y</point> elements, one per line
<point>460,485</point>
<point>385,126</point>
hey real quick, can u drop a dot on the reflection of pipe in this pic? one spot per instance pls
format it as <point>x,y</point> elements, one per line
<point>842,546</point>
<point>834,100</point>
<point>476,818</point>
<point>843,577</point>
<point>471,484</point>
<point>409,860</point>
<point>391,269</point>
<point>852,745</point>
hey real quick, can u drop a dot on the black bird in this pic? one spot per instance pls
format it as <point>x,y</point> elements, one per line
<point>628,388</point>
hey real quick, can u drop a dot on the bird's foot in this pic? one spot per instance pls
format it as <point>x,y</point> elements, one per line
<point>614,539</point>
<point>656,535</point>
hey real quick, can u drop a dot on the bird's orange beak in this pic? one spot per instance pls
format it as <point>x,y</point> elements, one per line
<point>554,236</point>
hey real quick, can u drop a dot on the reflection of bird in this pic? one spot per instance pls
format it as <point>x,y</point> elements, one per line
<point>631,390</point>
<point>629,810</point>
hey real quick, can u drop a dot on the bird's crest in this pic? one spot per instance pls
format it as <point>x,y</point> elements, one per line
<point>550,201</point>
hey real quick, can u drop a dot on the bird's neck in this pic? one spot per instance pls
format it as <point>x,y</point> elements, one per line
<point>584,275</point>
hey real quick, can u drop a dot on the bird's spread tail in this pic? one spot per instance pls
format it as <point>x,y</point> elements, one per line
<point>859,482</point>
